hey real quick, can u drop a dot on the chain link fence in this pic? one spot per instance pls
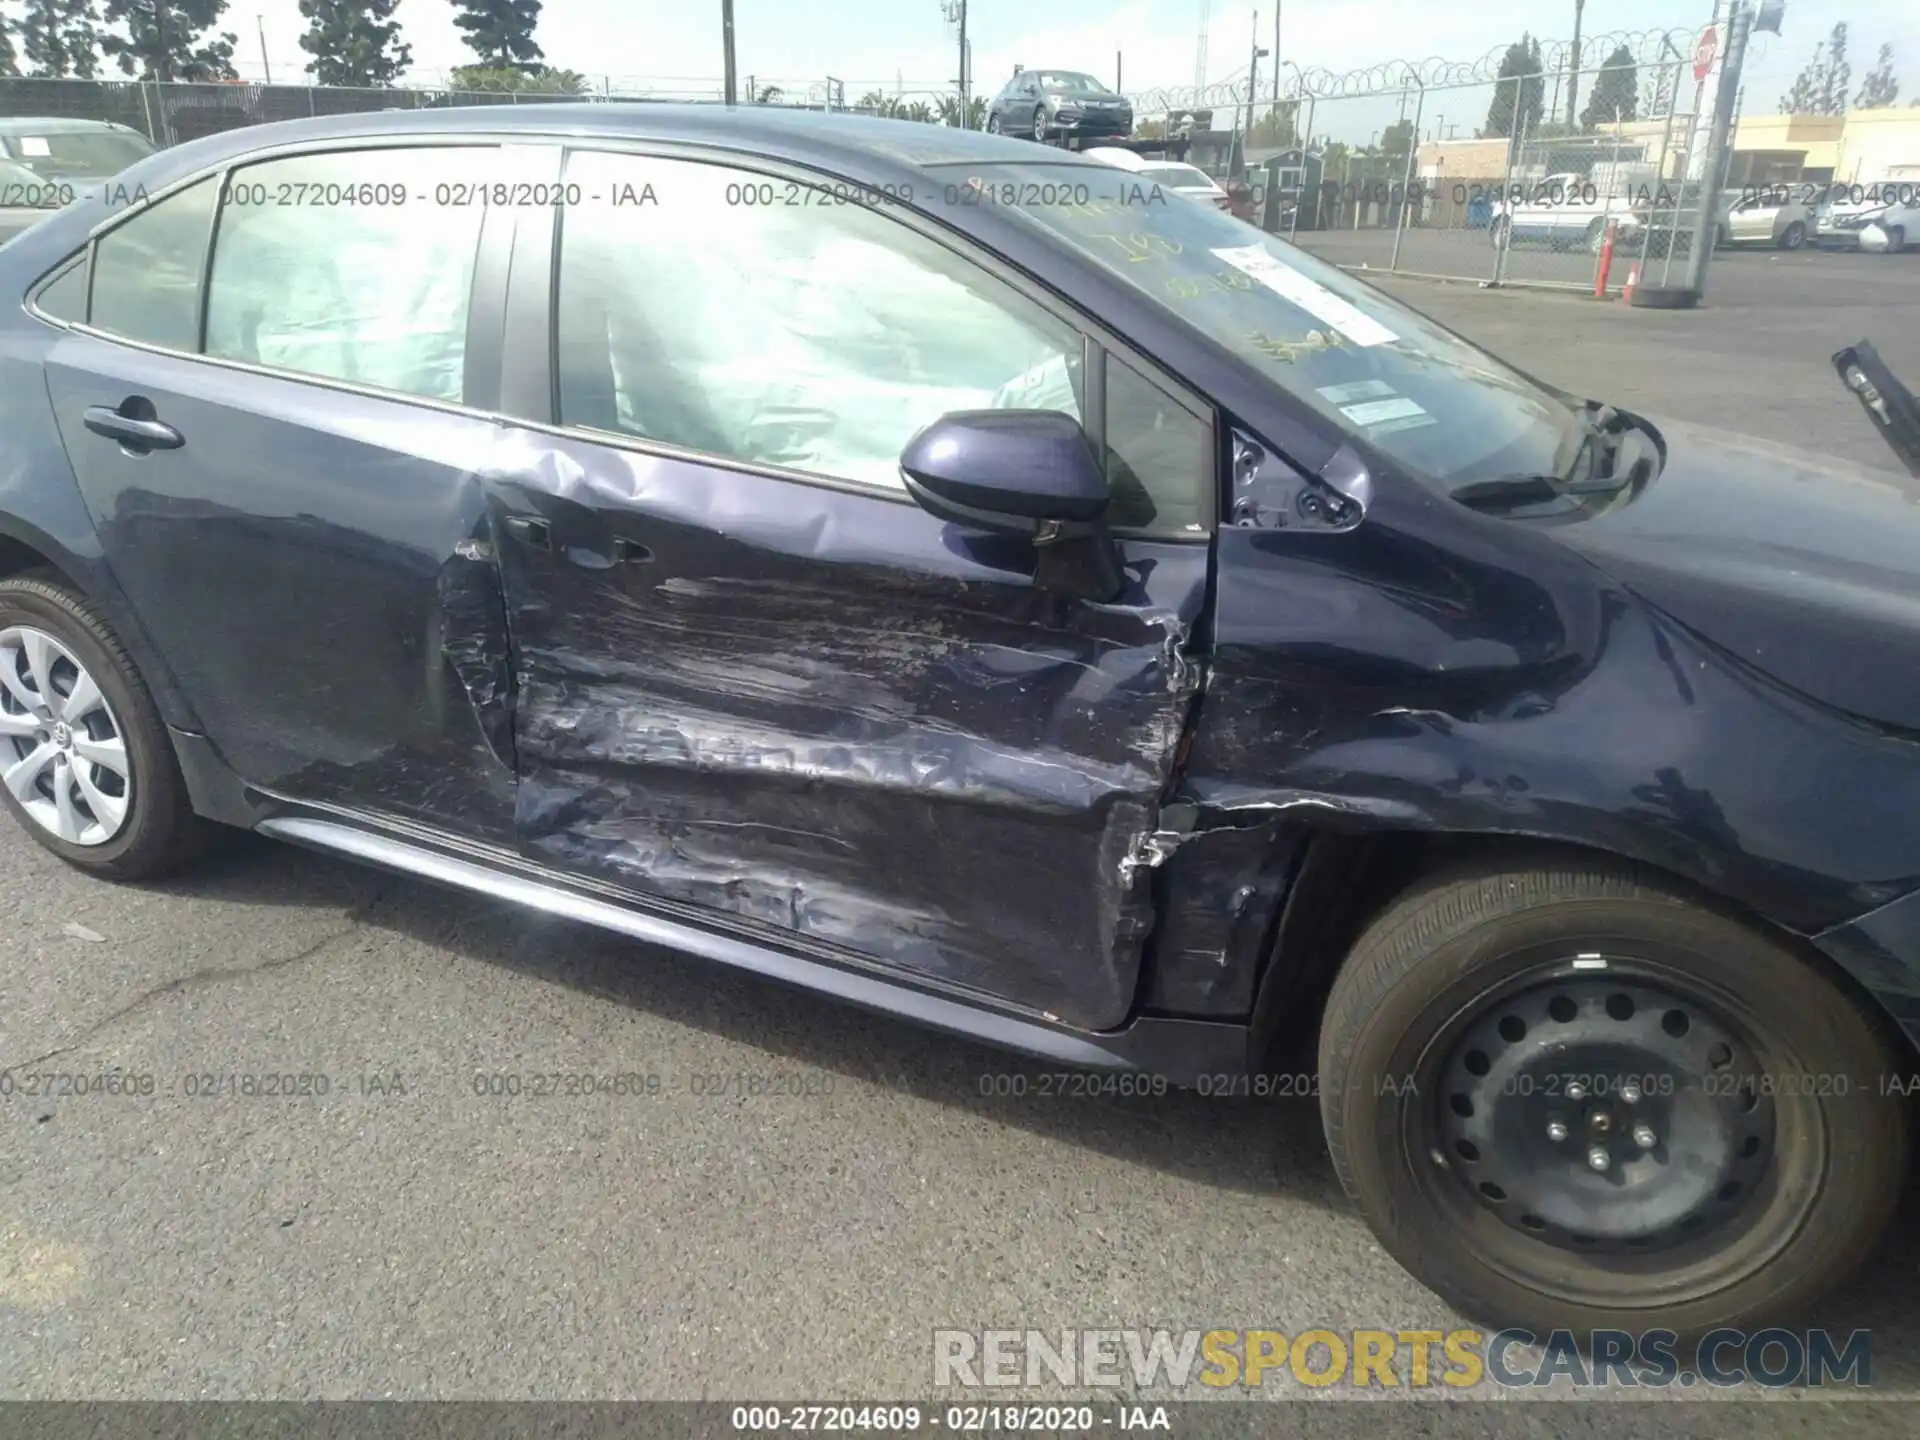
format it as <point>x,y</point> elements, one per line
<point>1441,168</point>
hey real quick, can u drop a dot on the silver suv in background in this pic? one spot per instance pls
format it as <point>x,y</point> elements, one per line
<point>75,152</point>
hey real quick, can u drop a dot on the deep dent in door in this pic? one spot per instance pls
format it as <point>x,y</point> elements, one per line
<point>782,757</point>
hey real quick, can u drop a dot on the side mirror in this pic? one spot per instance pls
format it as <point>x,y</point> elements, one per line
<point>1021,472</point>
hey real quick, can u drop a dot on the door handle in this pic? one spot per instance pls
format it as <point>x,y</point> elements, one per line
<point>630,552</point>
<point>530,530</point>
<point>137,434</point>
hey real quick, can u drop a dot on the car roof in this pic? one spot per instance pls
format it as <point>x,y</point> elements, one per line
<point>823,137</point>
<point>59,125</point>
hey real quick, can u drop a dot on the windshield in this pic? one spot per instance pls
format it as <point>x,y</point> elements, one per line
<point>1442,407</point>
<point>1069,82</point>
<point>81,154</point>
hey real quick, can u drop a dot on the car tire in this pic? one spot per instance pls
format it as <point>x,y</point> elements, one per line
<point>1460,1005</point>
<point>993,123</point>
<point>1596,237</point>
<point>1721,239</point>
<point>1896,239</point>
<point>156,830</point>
<point>1039,127</point>
<point>1793,237</point>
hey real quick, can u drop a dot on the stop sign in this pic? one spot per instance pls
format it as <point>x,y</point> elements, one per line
<point>1704,51</point>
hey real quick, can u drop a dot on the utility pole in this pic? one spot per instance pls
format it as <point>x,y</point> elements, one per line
<point>966,87</point>
<point>1573,63</point>
<point>1253,85</point>
<point>1276,56</point>
<point>261,26</point>
<point>1714,173</point>
<point>726,41</point>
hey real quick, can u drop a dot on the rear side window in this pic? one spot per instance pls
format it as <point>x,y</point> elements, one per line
<point>65,296</point>
<point>352,265</point>
<point>146,273</point>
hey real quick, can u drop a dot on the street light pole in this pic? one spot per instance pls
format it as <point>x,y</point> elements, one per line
<point>726,41</point>
<point>260,25</point>
<point>1573,63</point>
<point>1276,54</point>
<point>1253,88</point>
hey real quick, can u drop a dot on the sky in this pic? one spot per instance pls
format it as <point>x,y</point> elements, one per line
<point>874,43</point>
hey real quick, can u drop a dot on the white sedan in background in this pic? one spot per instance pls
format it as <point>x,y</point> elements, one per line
<point>1183,179</point>
<point>1882,217</point>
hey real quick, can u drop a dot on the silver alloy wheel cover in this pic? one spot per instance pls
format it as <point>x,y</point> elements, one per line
<point>63,753</point>
<point>1040,123</point>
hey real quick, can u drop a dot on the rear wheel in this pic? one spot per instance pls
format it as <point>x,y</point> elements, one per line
<point>1896,239</point>
<point>85,763</point>
<point>1570,1097</point>
<point>1793,237</point>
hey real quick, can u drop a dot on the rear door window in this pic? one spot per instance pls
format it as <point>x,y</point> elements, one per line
<point>147,272</point>
<point>351,265</point>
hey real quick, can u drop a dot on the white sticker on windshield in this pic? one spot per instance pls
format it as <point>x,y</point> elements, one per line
<point>1358,390</point>
<point>33,145</point>
<point>1310,295</point>
<point>1373,412</point>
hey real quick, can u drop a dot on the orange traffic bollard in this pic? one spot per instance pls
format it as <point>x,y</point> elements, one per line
<point>1606,261</point>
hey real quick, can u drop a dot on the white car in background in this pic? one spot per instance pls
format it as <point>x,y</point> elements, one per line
<point>1182,179</point>
<point>1848,215</point>
<point>1567,212</point>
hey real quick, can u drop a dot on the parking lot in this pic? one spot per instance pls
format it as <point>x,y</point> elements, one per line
<point>842,1186</point>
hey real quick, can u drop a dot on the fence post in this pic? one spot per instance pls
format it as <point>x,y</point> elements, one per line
<point>1406,184</point>
<point>1305,141</point>
<point>146,104</point>
<point>1515,140</point>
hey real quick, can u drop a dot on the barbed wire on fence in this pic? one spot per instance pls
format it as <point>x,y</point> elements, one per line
<point>1389,77</point>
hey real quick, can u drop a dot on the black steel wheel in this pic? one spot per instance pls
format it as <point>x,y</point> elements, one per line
<point>1572,1097</point>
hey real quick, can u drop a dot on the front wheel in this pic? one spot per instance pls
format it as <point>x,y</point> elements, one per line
<point>993,124</point>
<point>1793,237</point>
<point>1570,1097</point>
<point>1040,123</point>
<point>1896,239</point>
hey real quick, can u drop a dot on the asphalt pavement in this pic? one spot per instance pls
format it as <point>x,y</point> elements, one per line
<point>801,1194</point>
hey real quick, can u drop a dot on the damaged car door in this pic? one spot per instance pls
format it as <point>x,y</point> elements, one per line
<point>756,683</point>
<point>280,446</point>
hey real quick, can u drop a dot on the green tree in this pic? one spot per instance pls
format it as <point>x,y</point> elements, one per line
<point>1396,143</point>
<point>769,95</point>
<point>168,39</point>
<point>1275,128</point>
<point>1616,91</point>
<point>541,80</point>
<point>1879,89</point>
<point>976,112</point>
<point>354,42</point>
<point>500,32</point>
<point>62,38</point>
<point>8,64</point>
<point>1519,93</point>
<point>1821,88</point>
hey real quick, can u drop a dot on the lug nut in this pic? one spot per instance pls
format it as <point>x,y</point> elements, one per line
<point>1630,1093</point>
<point>1644,1137</point>
<point>1556,1130</point>
<point>1576,1092</point>
<point>1597,1158</point>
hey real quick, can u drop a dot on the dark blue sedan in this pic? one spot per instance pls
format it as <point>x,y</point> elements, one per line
<point>953,576</point>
